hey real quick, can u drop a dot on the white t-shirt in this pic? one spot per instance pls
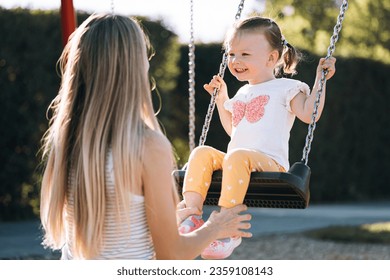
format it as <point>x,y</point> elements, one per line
<point>262,117</point>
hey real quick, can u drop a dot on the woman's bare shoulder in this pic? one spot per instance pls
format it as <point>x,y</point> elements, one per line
<point>156,145</point>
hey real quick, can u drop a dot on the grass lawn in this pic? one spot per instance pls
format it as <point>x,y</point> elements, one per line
<point>378,233</point>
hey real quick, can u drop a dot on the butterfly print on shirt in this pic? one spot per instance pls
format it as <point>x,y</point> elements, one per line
<point>253,111</point>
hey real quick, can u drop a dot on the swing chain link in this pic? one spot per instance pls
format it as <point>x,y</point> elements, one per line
<point>221,73</point>
<point>191,81</point>
<point>112,7</point>
<point>239,10</point>
<point>210,110</point>
<point>331,49</point>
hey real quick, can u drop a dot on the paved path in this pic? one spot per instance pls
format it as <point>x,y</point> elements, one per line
<point>22,239</point>
<point>317,216</point>
<point>267,220</point>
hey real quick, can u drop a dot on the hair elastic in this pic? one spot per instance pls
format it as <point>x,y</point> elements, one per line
<point>284,41</point>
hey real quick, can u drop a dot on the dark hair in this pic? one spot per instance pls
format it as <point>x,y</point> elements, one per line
<point>289,55</point>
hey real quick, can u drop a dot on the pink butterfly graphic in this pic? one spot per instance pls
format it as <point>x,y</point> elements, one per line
<point>253,110</point>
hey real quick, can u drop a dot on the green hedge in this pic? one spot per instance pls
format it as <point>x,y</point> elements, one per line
<point>29,49</point>
<point>350,154</point>
<point>30,45</point>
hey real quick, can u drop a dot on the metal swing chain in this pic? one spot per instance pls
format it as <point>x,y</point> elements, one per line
<point>331,48</point>
<point>221,73</point>
<point>112,7</point>
<point>191,80</point>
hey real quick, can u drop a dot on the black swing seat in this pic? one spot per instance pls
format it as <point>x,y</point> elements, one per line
<point>266,189</point>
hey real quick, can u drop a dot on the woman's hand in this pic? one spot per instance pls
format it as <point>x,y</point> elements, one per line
<point>183,212</point>
<point>328,65</point>
<point>230,222</point>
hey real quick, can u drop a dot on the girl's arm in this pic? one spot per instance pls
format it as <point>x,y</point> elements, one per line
<point>160,202</point>
<point>224,115</point>
<point>301,105</point>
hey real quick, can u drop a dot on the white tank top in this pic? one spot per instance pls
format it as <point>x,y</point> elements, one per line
<point>120,242</point>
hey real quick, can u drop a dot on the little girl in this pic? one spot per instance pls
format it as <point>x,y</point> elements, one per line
<point>258,119</point>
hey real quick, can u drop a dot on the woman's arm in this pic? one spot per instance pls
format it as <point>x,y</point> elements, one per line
<point>161,200</point>
<point>302,105</point>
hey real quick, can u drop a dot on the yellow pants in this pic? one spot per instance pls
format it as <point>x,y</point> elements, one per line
<point>236,166</point>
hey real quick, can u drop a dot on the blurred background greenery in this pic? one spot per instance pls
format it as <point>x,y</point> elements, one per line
<point>350,155</point>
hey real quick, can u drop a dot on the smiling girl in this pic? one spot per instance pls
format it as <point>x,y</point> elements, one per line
<point>258,119</point>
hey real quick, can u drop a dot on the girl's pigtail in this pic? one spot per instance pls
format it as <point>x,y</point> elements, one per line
<point>291,57</point>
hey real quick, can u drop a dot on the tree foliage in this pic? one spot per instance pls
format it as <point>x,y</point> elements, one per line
<point>309,24</point>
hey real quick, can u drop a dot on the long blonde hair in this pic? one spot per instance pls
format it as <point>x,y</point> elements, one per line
<point>104,102</point>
